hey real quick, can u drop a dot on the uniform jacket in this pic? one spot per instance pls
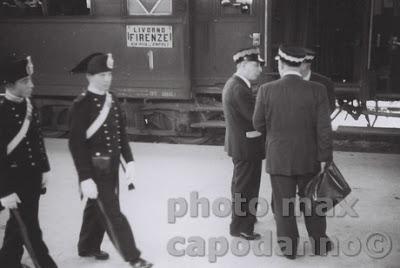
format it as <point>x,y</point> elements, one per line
<point>109,141</point>
<point>30,155</point>
<point>330,87</point>
<point>238,103</point>
<point>294,114</point>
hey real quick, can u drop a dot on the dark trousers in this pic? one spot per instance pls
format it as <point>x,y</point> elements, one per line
<point>283,190</point>
<point>245,185</point>
<point>96,222</point>
<point>27,185</point>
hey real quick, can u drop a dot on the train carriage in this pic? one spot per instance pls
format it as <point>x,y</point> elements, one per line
<point>173,56</point>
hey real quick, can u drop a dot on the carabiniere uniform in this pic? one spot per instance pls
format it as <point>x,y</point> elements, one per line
<point>98,158</point>
<point>21,172</point>
<point>109,141</point>
<point>29,156</point>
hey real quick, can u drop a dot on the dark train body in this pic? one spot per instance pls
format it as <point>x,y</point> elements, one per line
<point>173,56</point>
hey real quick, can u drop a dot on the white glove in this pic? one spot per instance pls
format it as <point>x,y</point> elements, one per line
<point>130,171</point>
<point>89,189</point>
<point>130,181</point>
<point>45,179</point>
<point>323,166</point>
<point>10,201</point>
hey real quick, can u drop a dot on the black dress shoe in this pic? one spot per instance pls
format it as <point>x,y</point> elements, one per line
<point>140,263</point>
<point>98,255</point>
<point>251,236</point>
<point>289,252</point>
<point>289,256</point>
<point>323,246</point>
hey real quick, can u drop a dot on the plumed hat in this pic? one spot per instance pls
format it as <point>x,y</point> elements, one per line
<point>12,69</point>
<point>94,64</point>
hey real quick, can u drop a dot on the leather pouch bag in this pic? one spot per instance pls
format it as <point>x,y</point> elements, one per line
<point>328,188</point>
<point>102,165</point>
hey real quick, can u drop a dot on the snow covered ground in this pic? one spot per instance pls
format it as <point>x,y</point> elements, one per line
<point>167,172</point>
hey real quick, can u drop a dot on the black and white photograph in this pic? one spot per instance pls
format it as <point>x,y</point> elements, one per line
<point>199,133</point>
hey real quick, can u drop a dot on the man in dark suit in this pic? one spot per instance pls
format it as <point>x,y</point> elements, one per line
<point>309,75</point>
<point>23,164</point>
<point>294,115</point>
<point>97,140</point>
<point>242,142</point>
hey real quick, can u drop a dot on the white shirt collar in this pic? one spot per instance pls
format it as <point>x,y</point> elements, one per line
<point>95,90</point>
<point>11,97</point>
<point>244,79</point>
<point>292,73</point>
<point>308,76</point>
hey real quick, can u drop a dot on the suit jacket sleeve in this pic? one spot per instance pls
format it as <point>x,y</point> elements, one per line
<point>245,102</point>
<point>46,164</point>
<point>125,149</point>
<point>4,181</point>
<point>330,87</point>
<point>324,128</point>
<point>259,112</point>
<point>79,123</point>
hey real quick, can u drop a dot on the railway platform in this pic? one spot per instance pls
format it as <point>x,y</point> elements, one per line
<point>169,175</point>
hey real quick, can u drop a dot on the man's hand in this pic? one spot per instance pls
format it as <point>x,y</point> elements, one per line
<point>10,201</point>
<point>45,180</point>
<point>89,189</point>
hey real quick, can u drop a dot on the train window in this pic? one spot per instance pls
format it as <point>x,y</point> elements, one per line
<point>27,8</point>
<point>19,8</point>
<point>149,7</point>
<point>236,7</point>
<point>68,7</point>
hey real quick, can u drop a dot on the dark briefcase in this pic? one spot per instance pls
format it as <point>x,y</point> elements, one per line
<point>327,188</point>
